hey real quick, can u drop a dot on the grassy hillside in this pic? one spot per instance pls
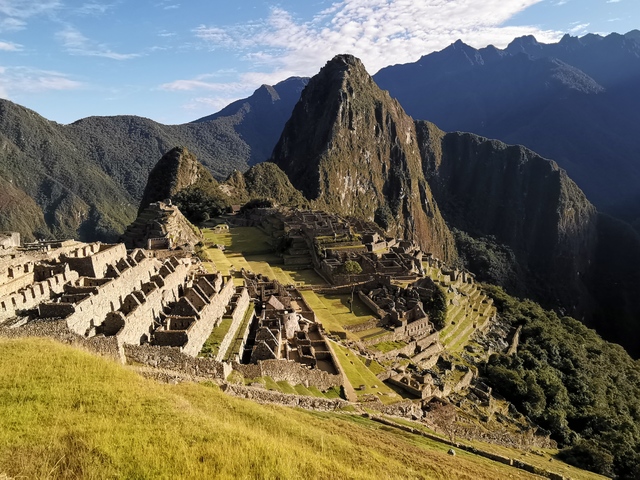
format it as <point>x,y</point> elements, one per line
<point>68,414</point>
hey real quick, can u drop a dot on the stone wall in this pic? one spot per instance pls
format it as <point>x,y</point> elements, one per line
<point>262,395</point>
<point>289,371</point>
<point>9,239</point>
<point>406,351</point>
<point>12,285</point>
<point>91,311</point>
<point>210,316</point>
<point>92,260</point>
<point>31,296</point>
<point>361,327</point>
<point>59,331</point>
<point>171,358</point>
<point>237,316</point>
<point>428,352</point>
<point>140,321</point>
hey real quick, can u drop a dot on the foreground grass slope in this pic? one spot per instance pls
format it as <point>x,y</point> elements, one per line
<point>68,414</point>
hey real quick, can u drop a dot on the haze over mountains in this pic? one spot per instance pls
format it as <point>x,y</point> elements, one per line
<point>576,102</point>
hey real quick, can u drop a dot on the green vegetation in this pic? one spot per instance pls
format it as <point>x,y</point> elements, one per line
<point>584,390</point>
<point>386,347</point>
<point>437,307</point>
<point>68,414</point>
<point>492,261</point>
<point>197,205</point>
<point>359,375</point>
<point>351,267</point>
<point>212,345</point>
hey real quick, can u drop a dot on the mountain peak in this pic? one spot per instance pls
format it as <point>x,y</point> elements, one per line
<point>526,44</point>
<point>351,149</point>
<point>175,171</point>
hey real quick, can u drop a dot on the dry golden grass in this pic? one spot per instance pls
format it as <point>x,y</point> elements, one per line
<point>68,414</point>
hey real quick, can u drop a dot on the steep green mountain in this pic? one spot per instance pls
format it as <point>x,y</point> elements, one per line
<point>180,177</point>
<point>260,118</point>
<point>178,169</point>
<point>76,197</point>
<point>88,177</point>
<point>19,213</point>
<point>564,377</point>
<point>525,202</point>
<point>351,149</point>
<point>265,181</point>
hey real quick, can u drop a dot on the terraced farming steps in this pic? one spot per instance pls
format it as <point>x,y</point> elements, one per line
<point>469,310</point>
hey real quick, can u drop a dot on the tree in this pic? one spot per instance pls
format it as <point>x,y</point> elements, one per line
<point>351,267</point>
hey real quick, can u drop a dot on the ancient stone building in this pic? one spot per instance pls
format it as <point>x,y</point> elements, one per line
<point>193,317</point>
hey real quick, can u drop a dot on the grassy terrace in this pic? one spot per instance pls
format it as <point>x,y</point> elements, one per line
<point>286,387</point>
<point>461,318</point>
<point>358,374</point>
<point>68,414</point>
<point>212,345</point>
<point>541,459</point>
<point>249,248</point>
<point>333,312</point>
<point>235,345</point>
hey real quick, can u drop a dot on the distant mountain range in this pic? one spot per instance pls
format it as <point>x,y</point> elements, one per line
<point>576,101</point>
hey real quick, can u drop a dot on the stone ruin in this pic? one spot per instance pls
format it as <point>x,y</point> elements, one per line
<point>286,328</point>
<point>400,309</point>
<point>161,226</point>
<point>9,240</point>
<point>103,290</point>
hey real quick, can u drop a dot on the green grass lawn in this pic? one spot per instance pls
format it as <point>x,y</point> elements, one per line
<point>386,347</point>
<point>244,240</point>
<point>212,345</point>
<point>333,311</point>
<point>358,374</point>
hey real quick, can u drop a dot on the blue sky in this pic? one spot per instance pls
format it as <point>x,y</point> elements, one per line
<point>175,61</point>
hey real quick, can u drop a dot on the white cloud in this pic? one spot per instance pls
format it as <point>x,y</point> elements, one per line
<point>17,80</point>
<point>10,47</point>
<point>11,25</point>
<point>208,104</point>
<point>380,32</point>
<point>94,8</point>
<point>579,28</point>
<point>200,84</point>
<point>14,13</point>
<point>77,44</point>
<point>27,8</point>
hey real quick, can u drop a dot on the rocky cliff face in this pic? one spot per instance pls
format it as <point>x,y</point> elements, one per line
<point>488,188</point>
<point>352,150</point>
